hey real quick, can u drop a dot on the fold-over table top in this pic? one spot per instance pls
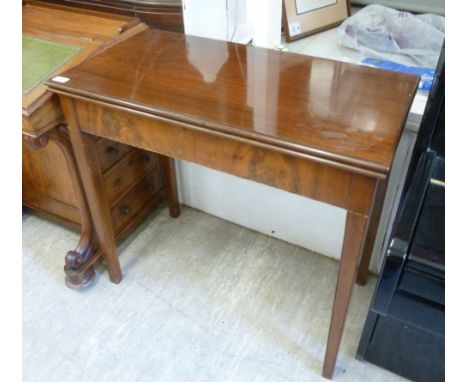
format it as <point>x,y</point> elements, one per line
<point>333,110</point>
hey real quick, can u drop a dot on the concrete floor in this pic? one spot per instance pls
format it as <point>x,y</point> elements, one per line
<point>202,300</point>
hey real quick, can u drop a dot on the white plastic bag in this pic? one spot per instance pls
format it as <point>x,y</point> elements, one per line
<point>377,29</point>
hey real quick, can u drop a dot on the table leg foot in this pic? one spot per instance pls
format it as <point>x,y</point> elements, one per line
<point>78,274</point>
<point>354,237</point>
<point>79,279</point>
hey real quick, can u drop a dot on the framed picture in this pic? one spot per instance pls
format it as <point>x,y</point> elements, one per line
<point>305,17</point>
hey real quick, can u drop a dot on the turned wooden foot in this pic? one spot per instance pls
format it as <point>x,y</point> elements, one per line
<point>79,271</point>
<point>79,279</point>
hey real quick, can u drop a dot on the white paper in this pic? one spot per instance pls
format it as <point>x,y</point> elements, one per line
<point>294,28</point>
<point>303,6</point>
<point>60,79</point>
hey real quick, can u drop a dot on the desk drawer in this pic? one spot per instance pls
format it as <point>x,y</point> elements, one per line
<point>136,199</point>
<point>110,152</point>
<point>129,170</point>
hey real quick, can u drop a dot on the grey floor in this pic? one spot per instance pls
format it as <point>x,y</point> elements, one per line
<point>201,300</point>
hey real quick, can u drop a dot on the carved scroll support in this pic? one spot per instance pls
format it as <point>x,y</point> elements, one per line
<point>38,142</point>
<point>79,273</point>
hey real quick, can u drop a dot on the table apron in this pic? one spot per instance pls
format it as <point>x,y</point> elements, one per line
<point>313,178</point>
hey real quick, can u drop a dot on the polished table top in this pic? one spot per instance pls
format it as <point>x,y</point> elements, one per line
<point>334,111</point>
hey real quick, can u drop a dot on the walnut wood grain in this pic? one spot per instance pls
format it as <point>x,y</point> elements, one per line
<point>239,157</point>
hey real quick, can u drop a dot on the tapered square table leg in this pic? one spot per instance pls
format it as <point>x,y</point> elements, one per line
<point>354,238</point>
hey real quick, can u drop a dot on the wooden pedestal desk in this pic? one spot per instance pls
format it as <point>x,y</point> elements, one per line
<point>322,129</point>
<point>51,182</point>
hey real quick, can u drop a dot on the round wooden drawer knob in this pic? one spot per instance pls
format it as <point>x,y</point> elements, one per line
<point>125,210</point>
<point>112,150</point>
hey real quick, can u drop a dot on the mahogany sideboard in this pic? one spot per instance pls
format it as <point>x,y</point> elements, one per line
<point>51,182</point>
<point>331,139</point>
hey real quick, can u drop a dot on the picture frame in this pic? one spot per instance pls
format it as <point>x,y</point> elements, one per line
<point>305,17</point>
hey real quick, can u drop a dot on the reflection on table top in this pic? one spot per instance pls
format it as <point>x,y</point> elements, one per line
<point>325,45</point>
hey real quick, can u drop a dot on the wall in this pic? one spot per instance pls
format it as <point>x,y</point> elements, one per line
<point>222,20</point>
<point>295,219</point>
<point>235,20</point>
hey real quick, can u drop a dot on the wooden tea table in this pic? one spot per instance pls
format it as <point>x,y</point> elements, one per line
<point>322,129</point>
